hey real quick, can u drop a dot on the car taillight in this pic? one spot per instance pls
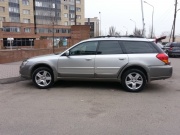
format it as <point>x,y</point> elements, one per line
<point>163,57</point>
<point>170,48</point>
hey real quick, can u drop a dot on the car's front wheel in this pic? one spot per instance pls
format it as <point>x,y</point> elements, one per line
<point>133,80</point>
<point>43,77</point>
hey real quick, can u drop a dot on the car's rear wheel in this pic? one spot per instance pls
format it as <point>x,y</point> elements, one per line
<point>43,77</point>
<point>133,80</point>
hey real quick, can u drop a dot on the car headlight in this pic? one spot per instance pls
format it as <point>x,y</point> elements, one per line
<point>24,63</point>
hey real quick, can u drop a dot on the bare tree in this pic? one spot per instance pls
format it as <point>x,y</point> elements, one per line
<point>165,33</point>
<point>113,32</point>
<point>138,32</point>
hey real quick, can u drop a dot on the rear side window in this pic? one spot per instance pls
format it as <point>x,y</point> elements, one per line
<point>109,47</point>
<point>139,47</point>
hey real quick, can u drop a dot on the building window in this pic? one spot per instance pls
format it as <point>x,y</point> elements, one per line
<point>2,9</point>
<point>78,1</point>
<point>66,15</point>
<point>26,20</point>
<point>66,23</point>
<point>2,0</point>
<point>71,8</point>
<point>71,0</point>
<point>14,1</point>
<point>27,30</point>
<point>72,23</point>
<point>2,19</point>
<point>14,19</point>
<point>45,4</point>
<point>65,7</point>
<point>72,15</point>
<point>26,11</point>
<point>78,17</point>
<point>25,2</point>
<point>78,9</point>
<point>11,29</point>
<point>38,4</point>
<point>78,23</point>
<point>14,9</point>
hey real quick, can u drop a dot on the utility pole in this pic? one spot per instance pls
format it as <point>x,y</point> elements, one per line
<point>34,12</point>
<point>174,22</point>
<point>75,18</point>
<point>100,23</point>
<point>143,31</point>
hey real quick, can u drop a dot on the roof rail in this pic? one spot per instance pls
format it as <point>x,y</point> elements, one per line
<point>130,36</point>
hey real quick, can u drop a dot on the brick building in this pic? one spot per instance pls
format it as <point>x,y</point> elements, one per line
<point>29,20</point>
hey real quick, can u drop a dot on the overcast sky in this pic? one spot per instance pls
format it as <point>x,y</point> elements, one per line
<point>119,12</point>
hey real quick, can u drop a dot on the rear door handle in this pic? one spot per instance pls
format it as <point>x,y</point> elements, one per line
<point>88,59</point>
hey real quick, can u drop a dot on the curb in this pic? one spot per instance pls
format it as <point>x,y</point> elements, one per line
<point>12,80</point>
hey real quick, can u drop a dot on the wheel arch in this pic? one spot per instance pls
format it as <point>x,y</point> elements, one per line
<point>44,65</point>
<point>140,67</point>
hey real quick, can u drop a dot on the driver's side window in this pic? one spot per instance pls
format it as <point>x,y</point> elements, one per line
<point>86,48</point>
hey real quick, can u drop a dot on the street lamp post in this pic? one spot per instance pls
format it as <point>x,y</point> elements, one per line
<point>152,17</point>
<point>99,23</point>
<point>75,18</point>
<point>134,23</point>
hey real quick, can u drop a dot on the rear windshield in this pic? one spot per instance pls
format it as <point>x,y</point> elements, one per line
<point>140,47</point>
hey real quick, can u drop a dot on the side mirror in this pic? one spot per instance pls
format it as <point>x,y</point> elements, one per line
<point>67,53</point>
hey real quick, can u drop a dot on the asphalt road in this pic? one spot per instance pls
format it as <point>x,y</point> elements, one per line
<point>91,108</point>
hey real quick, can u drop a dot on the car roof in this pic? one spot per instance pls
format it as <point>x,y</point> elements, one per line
<point>119,38</point>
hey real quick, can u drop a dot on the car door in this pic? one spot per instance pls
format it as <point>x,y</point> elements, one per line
<point>109,59</point>
<point>80,62</point>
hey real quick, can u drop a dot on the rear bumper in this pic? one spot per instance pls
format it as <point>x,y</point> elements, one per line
<point>160,72</point>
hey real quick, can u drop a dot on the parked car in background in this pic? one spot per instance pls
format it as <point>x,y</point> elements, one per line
<point>129,60</point>
<point>172,49</point>
<point>158,42</point>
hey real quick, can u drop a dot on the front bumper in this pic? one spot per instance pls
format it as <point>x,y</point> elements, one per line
<point>25,71</point>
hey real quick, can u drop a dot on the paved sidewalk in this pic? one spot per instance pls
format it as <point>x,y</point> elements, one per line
<point>9,70</point>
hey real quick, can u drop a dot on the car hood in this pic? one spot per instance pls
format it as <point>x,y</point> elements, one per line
<point>44,57</point>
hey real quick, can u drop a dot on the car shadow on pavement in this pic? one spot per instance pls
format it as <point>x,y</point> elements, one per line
<point>155,87</point>
<point>88,84</point>
<point>113,86</point>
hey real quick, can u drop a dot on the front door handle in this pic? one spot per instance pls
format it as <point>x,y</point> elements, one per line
<point>122,58</point>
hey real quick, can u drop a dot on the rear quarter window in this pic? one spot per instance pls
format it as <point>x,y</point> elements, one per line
<point>139,47</point>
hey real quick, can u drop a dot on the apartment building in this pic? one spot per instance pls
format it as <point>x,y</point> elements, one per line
<point>61,12</point>
<point>25,19</point>
<point>94,26</point>
<point>68,12</point>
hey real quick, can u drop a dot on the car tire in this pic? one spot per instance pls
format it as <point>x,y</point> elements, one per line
<point>133,80</point>
<point>43,77</point>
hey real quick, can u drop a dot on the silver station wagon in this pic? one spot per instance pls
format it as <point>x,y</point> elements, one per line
<point>129,60</point>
